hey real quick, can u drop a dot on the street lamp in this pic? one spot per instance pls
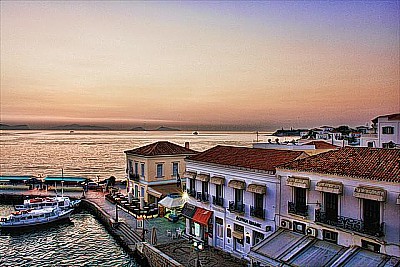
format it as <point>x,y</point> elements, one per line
<point>198,246</point>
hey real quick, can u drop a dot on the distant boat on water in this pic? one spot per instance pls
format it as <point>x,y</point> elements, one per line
<point>195,132</point>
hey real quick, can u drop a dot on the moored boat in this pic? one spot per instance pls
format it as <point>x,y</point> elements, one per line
<point>47,202</point>
<point>31,218</point>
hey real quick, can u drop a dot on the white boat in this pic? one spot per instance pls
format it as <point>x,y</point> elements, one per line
<point>47,202</point>
<point>30,218</point>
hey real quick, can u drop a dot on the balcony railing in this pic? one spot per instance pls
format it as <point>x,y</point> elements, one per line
<point>191,192</point>
<point>218,201</point>
<point>133,177</point>
<point>203,197</point>
<point>257,212</point>
<point>350,224</point>
<point>236,207</point>
<point>298,209</point>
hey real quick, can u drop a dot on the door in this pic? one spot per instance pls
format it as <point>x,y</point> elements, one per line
<point>331,206</point>
<point>300,199</point>
<point>238,199</point>
<point>372,214</point>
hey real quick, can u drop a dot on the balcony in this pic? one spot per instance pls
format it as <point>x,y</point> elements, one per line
<point>350,224</point>
<point>257,212</point>
<point>298,209</point>
<point>203,197</point>
<point>218,201</point>
<point>134,177</point>
<point>236,207</point>
<point>191,192</point>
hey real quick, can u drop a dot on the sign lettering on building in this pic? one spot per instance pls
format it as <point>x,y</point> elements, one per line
<point>253,223</point>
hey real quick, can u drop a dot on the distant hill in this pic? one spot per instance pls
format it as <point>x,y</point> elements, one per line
<point>14,127</point>
<point>137,129</point>
<point>163,128</point>
<point>80,127</point>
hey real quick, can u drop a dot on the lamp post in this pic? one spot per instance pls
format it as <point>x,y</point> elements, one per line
<point>198,246</point>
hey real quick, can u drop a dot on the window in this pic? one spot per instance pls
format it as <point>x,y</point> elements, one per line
<point>175,168</point>
<point>160,170</point>
<point>142,191</point>
<point>258,201</point>
<point>388,145</point>
<point>372,214</point>
<point>370,246</point>
<point>388,130</point>
<point>204,187</point>
<point>370,144</point>
<point>330,236</point>
<point>136,168</point>
<point>331,206</point>
<point>130,170</point>
<point>142,169</point>
<point>257,237</point>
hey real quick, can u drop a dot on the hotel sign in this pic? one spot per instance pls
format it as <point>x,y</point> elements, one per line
<point>253,223</point>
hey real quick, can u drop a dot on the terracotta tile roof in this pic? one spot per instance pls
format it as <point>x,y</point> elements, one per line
<point>161,148</point>
<point>395,116</point>
<point>321,145</point>
<point>251,158</point>
<point>361,162</point>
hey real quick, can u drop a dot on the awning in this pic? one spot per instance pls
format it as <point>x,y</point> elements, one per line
<point>238,235</point>
<point>163,190</point>
<point>372,193</point>
<point>202,216</point>
<point>298,182</point>
<point>188,210</point>
<point>190,175</point>
<point>237,184</point>
<point>329,187</point>
<point>65,179</point>
<point>16,178</point>
<point>203,177</point>
<point>217,180</point>
<point>171,202</point>
<point>256,188</point>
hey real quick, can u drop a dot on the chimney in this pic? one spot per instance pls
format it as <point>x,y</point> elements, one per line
<point>187,145</point>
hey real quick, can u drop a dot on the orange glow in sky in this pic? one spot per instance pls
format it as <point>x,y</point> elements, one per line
<point>267,64</point>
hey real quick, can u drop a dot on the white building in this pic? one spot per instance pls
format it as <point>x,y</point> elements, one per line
<point>233,196</point>
<point>349,197</point>
<point>388,127</point>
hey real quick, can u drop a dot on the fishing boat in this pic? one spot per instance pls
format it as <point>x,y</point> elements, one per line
<point>31,218</point>
<point>63,203</point>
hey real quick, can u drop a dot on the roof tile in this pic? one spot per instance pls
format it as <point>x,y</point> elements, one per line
<point>161,148</point>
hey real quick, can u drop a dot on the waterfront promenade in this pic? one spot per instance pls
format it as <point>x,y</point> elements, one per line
<point>177,248</point>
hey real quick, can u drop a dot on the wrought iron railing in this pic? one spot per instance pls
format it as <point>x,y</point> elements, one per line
<point>218,201</point>
<point>298,209</point>
<point>351,224</point>
<point>191,192</point>
<point>203,197</point>
<point>133,176</point>
<point>236,207</point>
<point>257,212</point>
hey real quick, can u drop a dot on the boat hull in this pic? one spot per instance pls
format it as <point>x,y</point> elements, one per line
<point>36,223</point>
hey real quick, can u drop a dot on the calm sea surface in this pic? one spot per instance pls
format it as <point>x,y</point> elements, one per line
<point>83,242</point>
<point>92,153</point>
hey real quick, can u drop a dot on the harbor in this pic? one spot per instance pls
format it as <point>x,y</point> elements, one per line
<point>170,249</point>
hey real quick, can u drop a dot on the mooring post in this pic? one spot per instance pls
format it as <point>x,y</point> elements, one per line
<point>116,212</point>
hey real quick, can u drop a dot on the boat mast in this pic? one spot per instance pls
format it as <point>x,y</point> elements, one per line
<point>62,182</point>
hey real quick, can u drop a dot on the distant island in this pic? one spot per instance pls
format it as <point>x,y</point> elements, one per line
<point>14,127</point>
<point>80,127</point>
<point>161,128</point>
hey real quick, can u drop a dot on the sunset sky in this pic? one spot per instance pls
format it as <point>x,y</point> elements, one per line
<point>258,65</point>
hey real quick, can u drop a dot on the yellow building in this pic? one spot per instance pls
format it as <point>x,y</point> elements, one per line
<point>156,170</point>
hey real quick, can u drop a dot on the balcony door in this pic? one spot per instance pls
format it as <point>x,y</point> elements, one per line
<point>300,198</point>
<point>372,214</point>
<point>331,206</point>
<point>218,190</point>
<point>238,198</point>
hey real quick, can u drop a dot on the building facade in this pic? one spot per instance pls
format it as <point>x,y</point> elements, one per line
<point>349,197</point>
<point>388,127</point>
<point>155,170</point>
<point>237,188</point>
